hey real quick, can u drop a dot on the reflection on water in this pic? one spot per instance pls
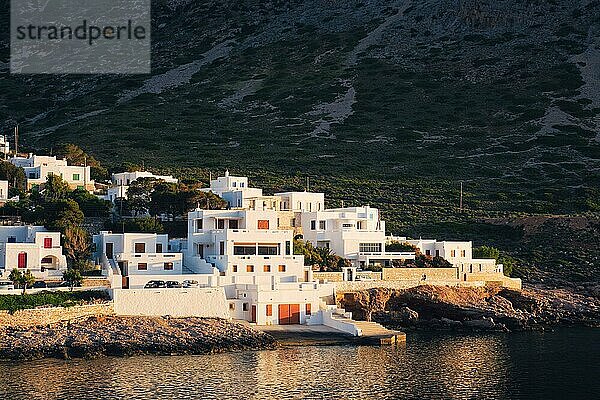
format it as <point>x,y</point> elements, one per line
<point>557,365</point>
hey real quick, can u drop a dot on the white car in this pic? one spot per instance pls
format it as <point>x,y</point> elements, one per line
<point>188,283</point>
<point>6,285</point>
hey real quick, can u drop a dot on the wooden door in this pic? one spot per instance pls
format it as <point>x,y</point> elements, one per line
<point>294,313</point>
<point>284,314</point>
<point>253,317</point>
<point>109,251</point>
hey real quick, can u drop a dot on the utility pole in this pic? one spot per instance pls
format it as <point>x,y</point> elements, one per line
<point>308,184</point>
<point>461,195</point>
<point>17,140</point>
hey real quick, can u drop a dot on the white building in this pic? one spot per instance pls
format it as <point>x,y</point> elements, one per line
<point>4,145</point>
<point>355,233</point>
<point>302,201</point>
<point>3,191</point>
<point>38,168</point>
<point>237,193</point>
<point>459,254</point>
<point>138,253</point>
<point>264,281</point>
<point>122,180</point>
<point>31,248</point>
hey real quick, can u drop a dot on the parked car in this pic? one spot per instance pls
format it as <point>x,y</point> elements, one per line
<point>188,283</point>
<point>40,285</point>
<point>155,284</point>
<point>6,285</point>
<point>173,284</point>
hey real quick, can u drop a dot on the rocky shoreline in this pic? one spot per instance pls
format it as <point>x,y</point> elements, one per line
<point>473,309</point>
<point>127,336</point>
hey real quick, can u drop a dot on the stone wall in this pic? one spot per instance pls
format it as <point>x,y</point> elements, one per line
<point>489,277</point>
<point>432,274</point>
<point>346,286</point>
<point>50,315</point>
<point>328,276</point>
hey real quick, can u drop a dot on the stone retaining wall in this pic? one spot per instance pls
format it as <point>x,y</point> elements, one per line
<point>50,315</point>
<point>347,286</point>
<point>328,276</point>
<point>437,274</point>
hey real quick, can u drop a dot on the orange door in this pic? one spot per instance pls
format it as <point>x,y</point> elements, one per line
<point>294,313</point>
<point>284,314</point>
<point>253,318</point>
<point>308,309</point>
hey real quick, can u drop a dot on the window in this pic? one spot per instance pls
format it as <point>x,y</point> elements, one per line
<point>12,239</point>
<point>139,248</point>
<point>249,268</point>
<point>269,310</point>
<point>75,177</point>
<point>347,225</point>
<point>220,224</point>
<point>47,243</point>
<point>199,224</point>
<point>244,249</point>
<point>427,252</point>
<point>282,268</point>
<point>159,247</point>
<point>268,249</point>
<point>245,307</point>
<point>222,248</point>
<point>267,268</point>
<point>452,253</point>
<point>322,225</point>
<point>293,222</point>
<point>22,260</point>
<point>463,253</point>
<point>437,253</point>
<point>168,266</point>
<point>263,224</point>
<point>308,309</point>
<point>370,247</point>
<point>232,306</point>
<point>288,248</point>
<point>47,260</point>
<point>313,225</point>
<point>233,224</point>
<point>142,266</point>
<point>234,268</point>
<point>324,244</point>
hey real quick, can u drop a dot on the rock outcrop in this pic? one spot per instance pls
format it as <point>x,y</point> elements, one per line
<point>478,309</point>
<point>126,336</point>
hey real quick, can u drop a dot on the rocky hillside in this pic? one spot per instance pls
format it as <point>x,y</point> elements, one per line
<point>390,103</point>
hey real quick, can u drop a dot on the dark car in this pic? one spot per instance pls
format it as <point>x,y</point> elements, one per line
<point>40,285</point>
<point>155,285</point>
<point>173,284</point>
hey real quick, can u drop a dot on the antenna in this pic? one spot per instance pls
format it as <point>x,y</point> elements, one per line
<point>461,195</point>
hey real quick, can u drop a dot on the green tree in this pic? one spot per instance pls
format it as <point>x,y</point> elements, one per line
<point>486,252</point>
<point>139,195</point>
<point>22,279</point>
<point>62,214</point>
<point>399,246</point>
<point>91,205</point>
<point>76,156</point>
<point>13,174</point>
<point>55,188</point>
<point>78,248</point>
<point>73,278</point>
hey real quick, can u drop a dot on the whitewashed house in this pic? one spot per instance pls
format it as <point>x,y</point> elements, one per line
<point>459,254</point>
<point>138,254</point>
<point>120,183</point>
<point>264,281</point>
<point>31,248</point>
<point>3,191</point>
<point>355,233</point>
<point>4,145</point>
<point>236,192</point>
<point>38,168</point>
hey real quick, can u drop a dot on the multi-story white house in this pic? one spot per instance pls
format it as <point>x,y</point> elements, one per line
<point>3,191</point>
<point>264,281</point>
<point>355,233</point>
<point>236,192</point>
<point>459,254</point>
<point>31,248</point>
<point>302,201</point>
<point>122,180</point>
<point>38,168</point>
<point>138,253</point>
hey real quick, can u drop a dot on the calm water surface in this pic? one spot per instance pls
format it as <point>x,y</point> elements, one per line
<point>554,365</point>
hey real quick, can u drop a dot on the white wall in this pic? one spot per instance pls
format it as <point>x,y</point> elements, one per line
<point>192,302</point>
